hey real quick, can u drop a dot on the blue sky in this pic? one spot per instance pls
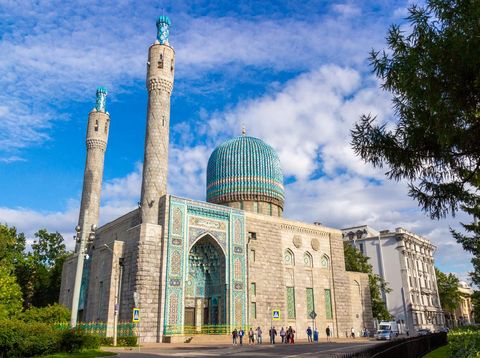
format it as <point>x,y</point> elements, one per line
<point>296,74</point>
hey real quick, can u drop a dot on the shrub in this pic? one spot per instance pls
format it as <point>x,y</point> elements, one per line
<point>106,341</point>
<point>51,314</point>
<point>75,341</point>
<point>127,341</point>
<point>464,341</point>
<point>20,339</point>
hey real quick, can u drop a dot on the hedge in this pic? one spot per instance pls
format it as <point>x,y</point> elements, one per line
<point>22,339</point>
<point>464,341</point>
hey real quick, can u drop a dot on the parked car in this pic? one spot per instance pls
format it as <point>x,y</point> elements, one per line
<point>443,329</point>
<point>424,332</point>
<point>385,335</point>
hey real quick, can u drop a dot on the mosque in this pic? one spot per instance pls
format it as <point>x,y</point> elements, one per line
<point>190,266</point>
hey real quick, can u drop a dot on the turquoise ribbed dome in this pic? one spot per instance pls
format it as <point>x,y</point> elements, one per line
<point>245,169</point>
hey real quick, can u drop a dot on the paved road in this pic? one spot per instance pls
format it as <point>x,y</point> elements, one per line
<point>278,350</point>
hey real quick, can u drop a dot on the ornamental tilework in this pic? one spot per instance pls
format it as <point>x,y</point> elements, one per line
<point>175,263</point>
<point>172,316</point>
<point>238,231</point>
<point>177,221</point>
<point>238,311</point>
<point>244,166</point>
<point>238,270</point>
<point>226,227</point>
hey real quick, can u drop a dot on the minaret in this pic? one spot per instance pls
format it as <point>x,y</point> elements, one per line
<point>160,70</point>
<point>97,136</point>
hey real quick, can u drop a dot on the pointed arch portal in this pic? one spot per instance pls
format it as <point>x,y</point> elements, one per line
<point>205,296</point>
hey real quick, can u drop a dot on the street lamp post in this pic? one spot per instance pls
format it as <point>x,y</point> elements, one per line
<point>82,251</point>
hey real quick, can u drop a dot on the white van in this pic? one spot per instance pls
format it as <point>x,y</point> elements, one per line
<point>387,330</point>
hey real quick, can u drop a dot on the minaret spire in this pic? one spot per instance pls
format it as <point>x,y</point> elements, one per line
<point>97,137</point>
<point>160,75</point>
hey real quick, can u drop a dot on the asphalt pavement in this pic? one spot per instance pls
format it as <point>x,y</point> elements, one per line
<point>264,350</point>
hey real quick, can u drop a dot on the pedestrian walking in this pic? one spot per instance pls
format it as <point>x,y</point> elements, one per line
<point>241,333</point>
<point>251,339</point>
<point>328,332</point>
<point>272,333</point>
<point>259,335</point>
<point>292,335</point>
<point>309,334</point>
<point>282,335</point>
<point>234,337</point>
<point>352,332</point>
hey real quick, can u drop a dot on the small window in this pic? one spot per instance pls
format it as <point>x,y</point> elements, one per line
<point>171,65</point>
<point>160,61</point>
<point>362,248</point>
<point>253,288</point>
<point>252,255</point>
<point>270,209</point>
<point>325,262</point>
<point>241,205</point>
<point>307,259</point>
<point>252,235</point>
<point>255,207</point>
<point>288,257</point>
<point>253,310</point>
<point>106,127</point>
<point>96,125</point>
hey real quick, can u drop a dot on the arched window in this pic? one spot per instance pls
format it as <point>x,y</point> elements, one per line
<point>325,262</point>
<point>307,259</point>
<point>289,258</point>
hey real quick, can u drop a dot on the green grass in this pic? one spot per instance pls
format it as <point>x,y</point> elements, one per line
<point>86,354</point>
<point>441,352</point>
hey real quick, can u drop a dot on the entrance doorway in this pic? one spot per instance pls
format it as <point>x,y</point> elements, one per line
<point>206,285</point>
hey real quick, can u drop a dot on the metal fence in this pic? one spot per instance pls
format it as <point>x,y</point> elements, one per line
<point>124,329</point>
<point>414,347</point>
<point>217,329</point>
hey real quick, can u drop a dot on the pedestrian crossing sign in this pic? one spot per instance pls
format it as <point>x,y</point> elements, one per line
<point>136,315</point>
<point>276,315</point>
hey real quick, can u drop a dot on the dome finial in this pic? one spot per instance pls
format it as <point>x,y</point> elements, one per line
<point>163,29</point>
<point>244,130</point>
<point>101,100</point>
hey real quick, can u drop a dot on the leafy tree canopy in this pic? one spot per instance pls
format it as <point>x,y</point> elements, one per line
<point>356,261</point>
<point>10,294</point>
<point>432,70</point>
<point>12,246</point>
<point>448,290</point>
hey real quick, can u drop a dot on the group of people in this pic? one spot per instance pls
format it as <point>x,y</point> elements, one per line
<point>287,335</point>
<point>364,333</point>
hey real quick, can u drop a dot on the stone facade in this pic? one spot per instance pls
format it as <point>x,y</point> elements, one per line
<point>160,74</point>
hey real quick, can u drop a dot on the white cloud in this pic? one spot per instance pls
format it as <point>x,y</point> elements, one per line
<point>55,53</point>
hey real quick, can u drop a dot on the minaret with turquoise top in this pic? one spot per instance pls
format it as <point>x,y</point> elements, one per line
<point>96,141</point>
<point>160,74</point>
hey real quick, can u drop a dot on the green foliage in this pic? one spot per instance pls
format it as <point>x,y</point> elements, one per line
<point>464,342</point>
<point>127,341</point>
<point>12,246</point>
<point>433,74</point>
<point>51,314</point>
<point>37,272</point>
<point>356,261</point>
<point>448,290</point>
<point>75,341</point>
<point>476,305</point>
<point>21,339</point>
<point>10,294</point>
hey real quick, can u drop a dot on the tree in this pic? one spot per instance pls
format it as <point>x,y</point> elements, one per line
<point>10,293</point>
<point>433,74</point>
<point>476,306</point>
<point>448,290</point>
<point>356,261</point>
<point>12,246</point>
